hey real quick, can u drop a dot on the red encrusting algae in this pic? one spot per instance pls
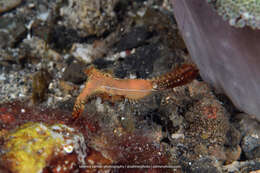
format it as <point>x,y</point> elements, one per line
<point>105,149</point>
<point>133,89</point>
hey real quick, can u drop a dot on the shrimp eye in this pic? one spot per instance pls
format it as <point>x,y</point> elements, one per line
<point>155,86</point>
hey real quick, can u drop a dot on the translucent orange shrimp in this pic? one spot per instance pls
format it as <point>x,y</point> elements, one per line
<point>135,89</point>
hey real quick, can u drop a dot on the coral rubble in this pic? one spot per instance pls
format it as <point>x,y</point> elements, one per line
<point>91,17</point>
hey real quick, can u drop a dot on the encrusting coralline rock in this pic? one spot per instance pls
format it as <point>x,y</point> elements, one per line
<point>33,145</point>
<point>228,57</point>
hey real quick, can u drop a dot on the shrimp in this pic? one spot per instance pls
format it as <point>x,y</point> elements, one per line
<point>133,89</point>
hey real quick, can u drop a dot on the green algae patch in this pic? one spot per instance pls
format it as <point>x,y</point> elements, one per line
<point>31,147</point>
<point>239,13</point>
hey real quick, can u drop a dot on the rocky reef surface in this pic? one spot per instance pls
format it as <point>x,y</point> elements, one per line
<point>45,47</point>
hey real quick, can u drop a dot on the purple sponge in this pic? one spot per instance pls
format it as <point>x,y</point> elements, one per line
<point>228,57</point>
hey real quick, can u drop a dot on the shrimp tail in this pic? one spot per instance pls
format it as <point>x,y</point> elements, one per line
<point>177,77</point>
